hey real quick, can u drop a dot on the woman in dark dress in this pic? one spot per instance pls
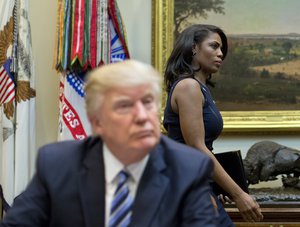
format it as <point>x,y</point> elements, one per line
<point>191,116</point>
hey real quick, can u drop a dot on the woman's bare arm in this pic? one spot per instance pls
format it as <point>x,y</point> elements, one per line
<point>187,100</point>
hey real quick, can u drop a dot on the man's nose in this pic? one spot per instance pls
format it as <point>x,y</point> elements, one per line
<point>141,112</point>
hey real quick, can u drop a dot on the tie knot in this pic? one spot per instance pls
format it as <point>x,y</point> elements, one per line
<point>123,176</point>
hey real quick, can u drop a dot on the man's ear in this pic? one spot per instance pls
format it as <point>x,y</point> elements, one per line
<point>96,124</point>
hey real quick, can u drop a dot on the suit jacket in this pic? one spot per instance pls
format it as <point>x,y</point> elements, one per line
<point>68,188</point>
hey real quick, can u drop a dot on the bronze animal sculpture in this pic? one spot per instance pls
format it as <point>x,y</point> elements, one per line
<point>266,160</point>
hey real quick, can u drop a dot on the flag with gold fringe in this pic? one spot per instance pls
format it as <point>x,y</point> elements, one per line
<point>89,33</point>
<point>17,106</point>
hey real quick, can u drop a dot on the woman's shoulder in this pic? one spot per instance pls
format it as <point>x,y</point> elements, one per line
<point>187,83</point>
<point>188,88</point>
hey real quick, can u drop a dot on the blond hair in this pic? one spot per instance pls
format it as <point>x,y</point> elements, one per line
<point>129,73</point>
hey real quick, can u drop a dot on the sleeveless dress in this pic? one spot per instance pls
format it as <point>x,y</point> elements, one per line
<point>213,122</point>
<point>213,125</point>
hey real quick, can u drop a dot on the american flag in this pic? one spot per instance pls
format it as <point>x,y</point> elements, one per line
<point>7,86</point>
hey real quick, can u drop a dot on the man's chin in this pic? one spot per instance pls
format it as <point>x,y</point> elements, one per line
<point>147,143</point>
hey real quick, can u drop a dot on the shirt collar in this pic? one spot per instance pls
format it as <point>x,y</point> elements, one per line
<point>113,166</point>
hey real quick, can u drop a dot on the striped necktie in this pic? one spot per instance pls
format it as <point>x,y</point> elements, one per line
<point>121,207</point>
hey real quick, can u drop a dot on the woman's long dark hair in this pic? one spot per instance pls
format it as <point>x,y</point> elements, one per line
<point>179,63</point>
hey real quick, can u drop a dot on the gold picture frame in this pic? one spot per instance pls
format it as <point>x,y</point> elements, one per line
<point>234,121</point>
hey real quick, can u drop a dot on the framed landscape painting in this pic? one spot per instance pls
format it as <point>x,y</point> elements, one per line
<point>258,86</point>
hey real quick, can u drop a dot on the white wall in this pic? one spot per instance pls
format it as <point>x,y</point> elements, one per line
<point>42,16</point>
<point>137,19</point>
<point>244,142</point>
<point>136,15</point>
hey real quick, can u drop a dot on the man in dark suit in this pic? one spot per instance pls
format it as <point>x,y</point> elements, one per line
<point>127,174</point>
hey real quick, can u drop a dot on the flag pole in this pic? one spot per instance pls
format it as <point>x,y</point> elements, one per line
<point>14,70</point>
<point>14,64</point>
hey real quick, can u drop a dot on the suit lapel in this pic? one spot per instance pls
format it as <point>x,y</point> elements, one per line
<point>151,189</point>
<point>92,186</point>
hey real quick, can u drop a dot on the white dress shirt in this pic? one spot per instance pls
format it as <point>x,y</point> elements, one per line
<point>112,167</point>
